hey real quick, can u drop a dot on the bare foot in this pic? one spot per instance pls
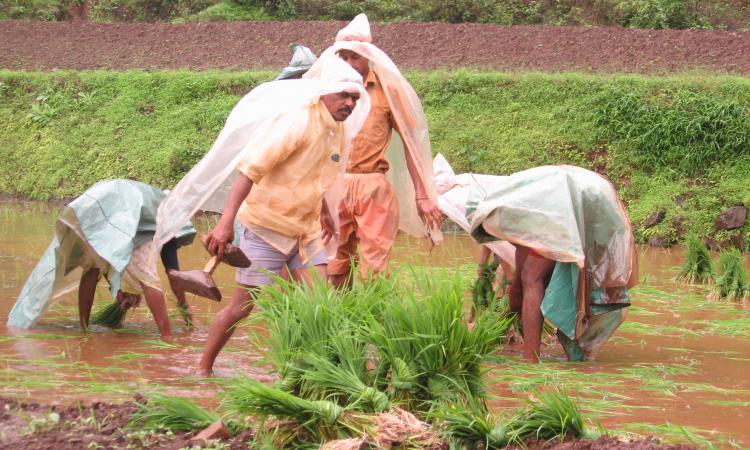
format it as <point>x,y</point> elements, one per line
<point>204,373</point>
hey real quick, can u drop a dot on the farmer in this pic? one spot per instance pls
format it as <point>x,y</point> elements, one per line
<point>574,254</point>
<point>369,212</point>
<point>286,140</point>
<point>302,59</point>
<point>106,231</point>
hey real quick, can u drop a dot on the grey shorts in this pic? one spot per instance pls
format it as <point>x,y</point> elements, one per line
<point>265,258</point>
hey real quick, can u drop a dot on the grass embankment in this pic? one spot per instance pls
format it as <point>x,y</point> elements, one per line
<point>676,144</point>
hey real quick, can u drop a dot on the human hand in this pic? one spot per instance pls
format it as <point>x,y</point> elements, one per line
<point>219,237</point>
<point>429,213</point>
<point>327,227</point>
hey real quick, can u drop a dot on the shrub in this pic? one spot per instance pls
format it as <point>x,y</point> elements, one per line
<point>682,131</point>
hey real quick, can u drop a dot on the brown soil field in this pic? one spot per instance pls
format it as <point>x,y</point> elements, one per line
<point>104,425</point>
<point>264,45</point>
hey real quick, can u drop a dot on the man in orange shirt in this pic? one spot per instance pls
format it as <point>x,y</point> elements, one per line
<point>372,210</point>
<point>285,139</point>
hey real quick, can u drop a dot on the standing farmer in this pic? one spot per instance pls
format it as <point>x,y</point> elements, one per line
<point>373,208</point>
<point>286,140</point>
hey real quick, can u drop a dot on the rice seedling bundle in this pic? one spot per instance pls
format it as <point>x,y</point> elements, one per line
<point>165,412</point>
<point>549,415</point>
<point>328,379</point>
<point>424,331</point>
<point>698,267</point>
<point>110,315</point>
<point>470,425</point>
<point>483,292</point>
<point>732,283</point>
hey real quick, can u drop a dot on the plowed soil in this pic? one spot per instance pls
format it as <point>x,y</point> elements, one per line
<point>105,425</point>
<point>253,45</point>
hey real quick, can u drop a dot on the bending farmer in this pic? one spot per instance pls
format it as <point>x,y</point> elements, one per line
<point>106,231</point>
<point>574,253</point>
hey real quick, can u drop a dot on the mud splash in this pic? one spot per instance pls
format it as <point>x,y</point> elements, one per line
<point>676,368</point>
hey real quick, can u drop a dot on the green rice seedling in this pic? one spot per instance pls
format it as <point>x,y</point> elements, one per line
<point>698,267</point>
<point>110,315</point>
<point>732,283</point>
<point>483,292</point>
<point>300,320</point>
<point>469,424</point>
<point>424,331</point>
<point>321,419</point>
<point>166,412</point>
<point>330,379</point>
<point>727,327</point>
<point>551,415</point>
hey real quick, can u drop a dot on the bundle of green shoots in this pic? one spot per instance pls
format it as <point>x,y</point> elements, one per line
<point>166,412</point>
<point>110,315</point>
<point>366,350</point>
<point>698,267</point>
<point>483,292</point>
<point>732,283</point>
<point>547,416</point>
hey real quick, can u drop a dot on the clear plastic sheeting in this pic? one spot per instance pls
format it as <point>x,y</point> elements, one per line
<point>104,228</point>
<point>409,116</point>
<point>249,125</point>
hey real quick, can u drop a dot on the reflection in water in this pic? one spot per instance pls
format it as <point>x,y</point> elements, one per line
<point>662,366</point>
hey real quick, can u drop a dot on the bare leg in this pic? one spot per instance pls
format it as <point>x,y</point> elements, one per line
<point>223,327</point>
<point>86,290</point>
<point>304,274</point>
<point>342,281</point>
<point>515,292</point>
<point>534,278</point>
<point>155,303</point>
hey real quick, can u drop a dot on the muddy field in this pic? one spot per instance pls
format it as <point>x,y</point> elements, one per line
<point>251,45</point>
<point>670,371</point>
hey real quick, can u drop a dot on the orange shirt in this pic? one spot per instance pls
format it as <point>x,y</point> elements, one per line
<point>368,148</point>
<point>292,163</point>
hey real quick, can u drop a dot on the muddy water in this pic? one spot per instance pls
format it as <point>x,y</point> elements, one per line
<point>678,359</point>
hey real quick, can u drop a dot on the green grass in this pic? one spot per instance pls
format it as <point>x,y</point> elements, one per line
<point>60,132</point>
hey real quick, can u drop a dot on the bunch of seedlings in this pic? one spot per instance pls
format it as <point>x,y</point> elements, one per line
<point>110,315</point>
<point>483,292</point>
<point>698,267</point>
<point>732,283</point>
<point>386,363</point>
<point>549,415</point>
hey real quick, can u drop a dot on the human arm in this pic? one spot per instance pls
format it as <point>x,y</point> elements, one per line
<point>326,223</point>
<point>223,232</point>
<point>427,210</point>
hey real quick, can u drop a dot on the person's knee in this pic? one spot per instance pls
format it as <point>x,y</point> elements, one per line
<point>536,272</point>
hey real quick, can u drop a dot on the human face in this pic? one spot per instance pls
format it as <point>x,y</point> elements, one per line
<point>340,104</point>
<point>357,61</point>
